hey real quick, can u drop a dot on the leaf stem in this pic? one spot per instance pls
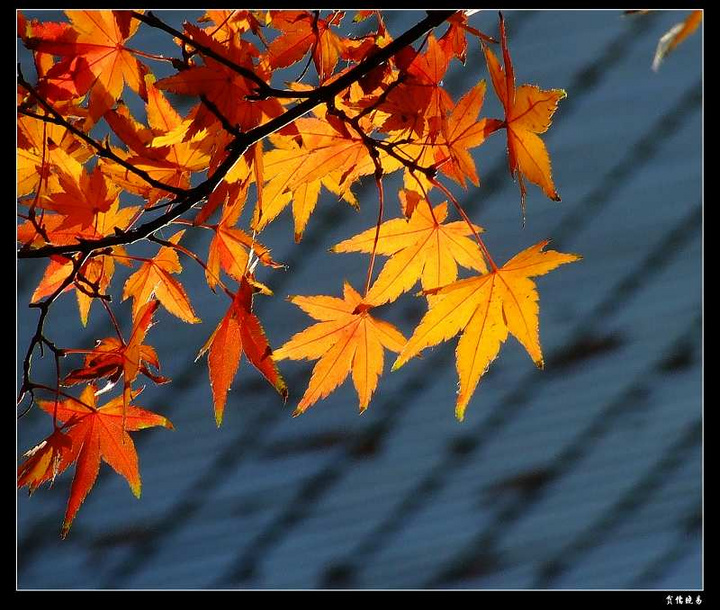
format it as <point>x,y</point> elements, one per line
<point>458,207</point>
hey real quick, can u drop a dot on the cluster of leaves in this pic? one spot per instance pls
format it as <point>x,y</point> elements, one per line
<point>379,107</point>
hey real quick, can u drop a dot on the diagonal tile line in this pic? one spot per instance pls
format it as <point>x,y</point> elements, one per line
<point>634,498</point>
<point>685,543</point>
<point>484,542</point>
<point>686,441</point>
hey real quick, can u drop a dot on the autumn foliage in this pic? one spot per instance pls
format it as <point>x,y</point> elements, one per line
<point>375,105</point>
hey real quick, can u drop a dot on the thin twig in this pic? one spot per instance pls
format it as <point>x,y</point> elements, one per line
<point>38,338</point>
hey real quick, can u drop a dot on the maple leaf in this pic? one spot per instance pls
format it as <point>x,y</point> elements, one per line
<point>485,308</point>
<point>447,149</point>
<point>230,247</point>
<point>154,278</point>
<point>82,198</point>
<point>95,434</point>
<point>419,103</point>
<point>42,462</point>
<point>453,42</point>
<point>59,234</point>
<point>528,112</point>
<point>346,338</point>
<point>112,357</point>
<point>42,148</point>
<point>239,332</point>
<point>463,131</point>
<point>224,87</point>
<point>329,155</point>
<point>422,248</point>
<point>301,32</point>
<point>97,272</point>
<point>231,23</point>
<point>108,359</point>
<point>95,57</point>
<point>93,277</point>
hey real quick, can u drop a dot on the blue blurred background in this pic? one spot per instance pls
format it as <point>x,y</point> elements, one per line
<point>587,475</point>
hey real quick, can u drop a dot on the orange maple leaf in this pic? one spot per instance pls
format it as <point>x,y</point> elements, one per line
<point>453,42</point>
<point>112,357</point>
<point>485,308</point>
<point>302,32</point>
<point>448,148</point>
<point>346,338</point>
<point>422,248</point>
<point>91,434</point>
<point>462,131</point>
<point>154,278</point>
<point>528,112</point>
<point>82,198</point>
<point>222,86</point>
<point>55,227</point>
<point>239,332</point>
<point>230,246</point>
<point>42,462</point>
<point>328,154</point>
<point>97,271</point>
<point>231,23</point>
<point>419,103</point>
<point>42,149</point>
<point>96,58</point>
